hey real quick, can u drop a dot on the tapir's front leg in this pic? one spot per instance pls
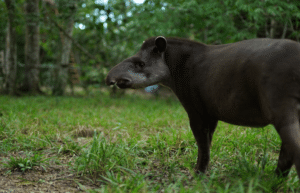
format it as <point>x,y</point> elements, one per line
<point>203,128</point>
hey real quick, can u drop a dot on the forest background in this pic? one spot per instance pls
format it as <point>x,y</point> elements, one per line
<point>48,45</point>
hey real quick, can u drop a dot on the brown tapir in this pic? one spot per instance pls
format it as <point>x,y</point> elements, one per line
<point>251,83</point>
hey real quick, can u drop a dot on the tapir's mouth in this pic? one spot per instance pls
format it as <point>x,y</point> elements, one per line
<point>122,86</point>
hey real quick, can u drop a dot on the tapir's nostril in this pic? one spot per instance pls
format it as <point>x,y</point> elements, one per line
<point>123,83</point>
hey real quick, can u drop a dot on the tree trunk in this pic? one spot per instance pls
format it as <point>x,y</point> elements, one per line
<point>62,73</point>
<point>10,67</point>
<point>266,29</point>
<point>32,48</point>
<point>272,29</point>
<point>284,30</point>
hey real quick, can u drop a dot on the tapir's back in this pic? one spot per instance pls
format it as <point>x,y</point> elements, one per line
<point>241,77</point>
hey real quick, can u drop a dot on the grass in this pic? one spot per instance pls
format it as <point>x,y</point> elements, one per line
<point>132,144</point>
<point>23,164</point>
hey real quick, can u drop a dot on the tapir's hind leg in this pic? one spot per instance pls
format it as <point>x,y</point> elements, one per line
<point>286,122</point>
<point>285,161</point>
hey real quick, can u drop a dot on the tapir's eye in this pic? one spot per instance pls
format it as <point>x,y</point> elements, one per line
<point>140,64</point>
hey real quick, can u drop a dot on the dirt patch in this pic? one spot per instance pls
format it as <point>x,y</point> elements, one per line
<point>56,178</point>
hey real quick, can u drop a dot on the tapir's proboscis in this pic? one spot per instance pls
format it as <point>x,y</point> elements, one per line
<point>250,83</point>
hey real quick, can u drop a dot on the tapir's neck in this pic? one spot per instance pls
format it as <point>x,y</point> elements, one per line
<point>180,57</point>
<point>168,80</point>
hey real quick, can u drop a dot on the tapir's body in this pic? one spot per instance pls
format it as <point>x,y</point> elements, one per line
<point>251,83</point>
<point>236,82</point>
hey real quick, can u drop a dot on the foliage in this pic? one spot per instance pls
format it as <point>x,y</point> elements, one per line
<point>113,30</point>
<point>213,21</point>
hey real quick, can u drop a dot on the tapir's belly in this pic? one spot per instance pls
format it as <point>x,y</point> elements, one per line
<point>251,117</point>
<point>240,109</point>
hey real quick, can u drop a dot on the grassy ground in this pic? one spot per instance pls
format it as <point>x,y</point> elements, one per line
<point>129,144</point>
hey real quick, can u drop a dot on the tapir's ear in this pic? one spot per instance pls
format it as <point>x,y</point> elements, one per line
<point>161,43</point>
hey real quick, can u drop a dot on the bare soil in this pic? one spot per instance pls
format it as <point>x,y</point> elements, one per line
<point>57,178</point>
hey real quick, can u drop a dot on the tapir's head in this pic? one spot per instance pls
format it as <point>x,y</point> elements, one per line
<point>147,67</point>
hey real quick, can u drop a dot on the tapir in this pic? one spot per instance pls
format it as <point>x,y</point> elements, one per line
<point>250,83</point>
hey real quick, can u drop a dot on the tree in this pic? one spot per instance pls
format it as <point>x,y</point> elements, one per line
<point>10,67</point>
<point>32,48</point>
<point>62,72</point>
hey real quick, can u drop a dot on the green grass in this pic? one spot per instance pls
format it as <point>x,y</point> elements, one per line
<point>23,164</point>
<point>133,144</point>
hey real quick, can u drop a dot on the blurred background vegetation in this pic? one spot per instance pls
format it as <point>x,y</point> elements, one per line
<point>50,46</point>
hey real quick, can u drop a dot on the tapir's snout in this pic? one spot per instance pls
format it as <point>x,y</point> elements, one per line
<point>109,81</point>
